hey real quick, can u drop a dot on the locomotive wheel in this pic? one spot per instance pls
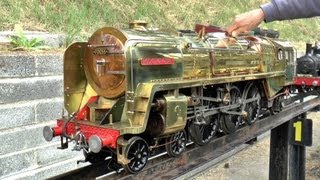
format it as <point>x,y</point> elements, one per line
<point>253,108</point>
<point>230,123</point>
<point>94,158</point>
<point>201,134</point>
<point>176,143</point>
<point>137,153</point>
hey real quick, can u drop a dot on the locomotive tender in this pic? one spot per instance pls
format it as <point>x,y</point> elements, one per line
<point>130,91</point>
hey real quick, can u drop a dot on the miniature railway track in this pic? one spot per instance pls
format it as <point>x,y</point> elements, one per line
<point>196,158</point>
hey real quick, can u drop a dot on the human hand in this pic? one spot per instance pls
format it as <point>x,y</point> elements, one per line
<point>245,22</point>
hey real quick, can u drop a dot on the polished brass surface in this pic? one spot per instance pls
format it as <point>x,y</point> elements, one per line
<point>100,108</point>
<point>74,77</point>
<point>138,25</point>
<point>114,69</point>
<point>89,92</point>
<point>121,147</point>
<point>145,79</point>
<point>176,113</point>
<point>105,62</point>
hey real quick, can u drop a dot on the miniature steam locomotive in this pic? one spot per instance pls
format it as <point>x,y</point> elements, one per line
<point>130,91</point>
<point>309,64</point>
<point>308,67</point>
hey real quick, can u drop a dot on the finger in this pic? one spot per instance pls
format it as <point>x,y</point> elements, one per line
<point>232,27</point>
<point>235,33</point>
<point>243,33</point>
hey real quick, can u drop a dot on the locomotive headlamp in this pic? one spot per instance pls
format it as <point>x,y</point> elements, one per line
<point>95,143</point>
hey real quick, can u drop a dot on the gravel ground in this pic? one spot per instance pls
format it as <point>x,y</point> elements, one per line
<point>253,162</point>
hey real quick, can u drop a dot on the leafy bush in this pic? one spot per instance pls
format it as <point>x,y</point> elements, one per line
<point>21,42</point>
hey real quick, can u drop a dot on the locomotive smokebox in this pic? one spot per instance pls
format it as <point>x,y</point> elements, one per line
<point>104,62</point>
<point>309,64</point>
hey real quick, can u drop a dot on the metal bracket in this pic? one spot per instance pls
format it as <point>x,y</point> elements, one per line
<point>64,145</point>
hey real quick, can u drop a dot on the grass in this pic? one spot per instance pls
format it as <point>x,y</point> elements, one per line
<point>82,18</point>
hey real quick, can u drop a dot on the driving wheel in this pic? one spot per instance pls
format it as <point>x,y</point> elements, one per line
<point>203,133</point>
<point>253,108</point>
<point>229,123</point>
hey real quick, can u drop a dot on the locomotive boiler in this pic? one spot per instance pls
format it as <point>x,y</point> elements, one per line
<point>131,91</point>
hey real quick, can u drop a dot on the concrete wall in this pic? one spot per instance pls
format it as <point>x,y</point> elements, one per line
<point>31,97</point>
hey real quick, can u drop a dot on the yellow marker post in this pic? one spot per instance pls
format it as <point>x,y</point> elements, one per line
<point>298,131</point>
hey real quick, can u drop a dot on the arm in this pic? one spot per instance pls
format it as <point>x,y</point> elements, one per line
<point>290,9</point>
<point>275,10</point>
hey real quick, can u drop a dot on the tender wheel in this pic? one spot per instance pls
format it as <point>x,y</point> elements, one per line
<point>230,123</point>
<point>137,153</point>
<point>203,133</point>
<point>253,108</point>
<point>176,143</point>
<point>94,158</point>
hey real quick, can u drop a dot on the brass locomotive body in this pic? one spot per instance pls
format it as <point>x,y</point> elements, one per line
<point>147,87</point>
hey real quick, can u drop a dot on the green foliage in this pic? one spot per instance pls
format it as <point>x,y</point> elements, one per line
<point>82,18</point>
<point>21,42</point>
